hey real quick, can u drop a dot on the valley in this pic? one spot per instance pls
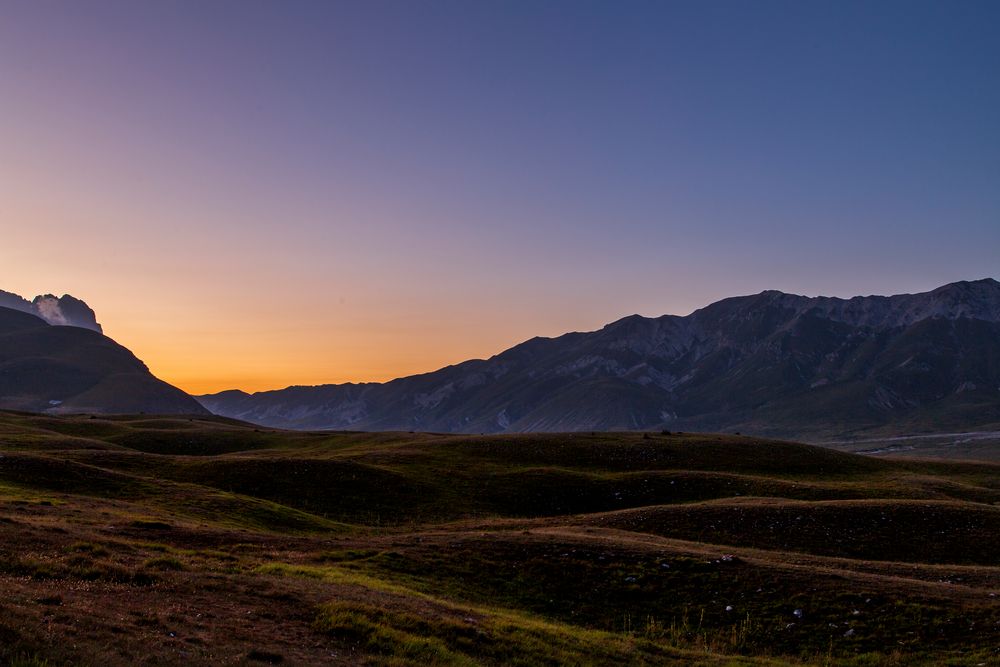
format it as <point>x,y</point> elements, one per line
<point>966,445</point>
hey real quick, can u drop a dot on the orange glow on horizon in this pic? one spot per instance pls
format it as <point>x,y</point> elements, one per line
<point>201,350</point>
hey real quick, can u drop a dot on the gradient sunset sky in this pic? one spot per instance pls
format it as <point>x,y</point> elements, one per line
<point>258,194</point>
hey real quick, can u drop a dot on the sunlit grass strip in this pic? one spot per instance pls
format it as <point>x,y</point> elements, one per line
<point>500,634</point>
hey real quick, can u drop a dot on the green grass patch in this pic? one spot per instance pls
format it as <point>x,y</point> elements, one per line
<point>87,548</point>
<point>164,563</point>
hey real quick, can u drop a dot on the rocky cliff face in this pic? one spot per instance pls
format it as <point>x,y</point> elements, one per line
<point>60,311</point>
<point>771,363</point>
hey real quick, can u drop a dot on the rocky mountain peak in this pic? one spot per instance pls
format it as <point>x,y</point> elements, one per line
<point>59,311</point>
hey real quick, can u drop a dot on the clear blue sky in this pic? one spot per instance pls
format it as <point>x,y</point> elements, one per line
<point>444,179</point>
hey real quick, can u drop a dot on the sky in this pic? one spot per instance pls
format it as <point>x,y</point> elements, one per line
<point>261,194</point>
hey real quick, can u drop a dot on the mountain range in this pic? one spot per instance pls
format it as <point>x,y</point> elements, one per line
<point>771,363</point>
<point>54,359</point>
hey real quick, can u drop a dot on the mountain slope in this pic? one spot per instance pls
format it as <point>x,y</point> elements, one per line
<point>772,363</point>
<point>68,369</point>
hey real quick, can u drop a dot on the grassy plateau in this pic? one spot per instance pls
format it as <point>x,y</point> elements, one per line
<point>190,541</point>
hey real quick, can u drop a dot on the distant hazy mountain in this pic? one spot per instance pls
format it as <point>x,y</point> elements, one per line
<point>65,310</point>
<point>770,363</point>
<point>69,369</point>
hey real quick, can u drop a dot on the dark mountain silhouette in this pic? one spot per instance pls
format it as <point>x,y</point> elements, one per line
<point>65,310</point>
<point>70,369</point>
<point>771,363</point>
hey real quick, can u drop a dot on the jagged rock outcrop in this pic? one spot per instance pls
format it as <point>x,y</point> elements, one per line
<point>60,311</point>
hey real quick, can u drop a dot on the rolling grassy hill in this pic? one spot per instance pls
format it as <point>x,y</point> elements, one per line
<point>203,540</point>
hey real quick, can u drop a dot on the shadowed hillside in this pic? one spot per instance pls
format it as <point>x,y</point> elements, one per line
<point>202,540</point>
<point>69,369</point>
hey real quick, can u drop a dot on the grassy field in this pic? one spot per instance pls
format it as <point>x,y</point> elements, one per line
<point>143,540</point>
